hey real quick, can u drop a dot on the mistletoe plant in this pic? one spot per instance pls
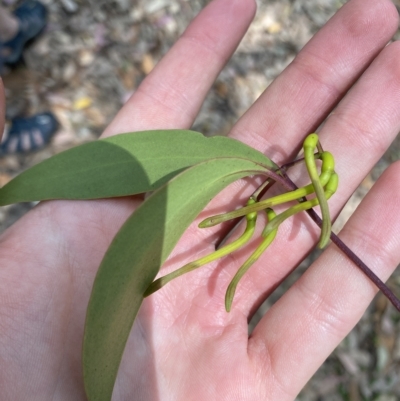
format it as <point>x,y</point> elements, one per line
<point>184,171</point>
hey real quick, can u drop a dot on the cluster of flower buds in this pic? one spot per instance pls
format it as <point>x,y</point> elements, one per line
<point>323,186</point>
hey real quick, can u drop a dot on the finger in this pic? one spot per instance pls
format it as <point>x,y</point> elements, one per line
<point>171,96</point>
<point>365,123</point>
<point>308,322</point>
<point>302,96</point>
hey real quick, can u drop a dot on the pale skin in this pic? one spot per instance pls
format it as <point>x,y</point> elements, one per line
<point>184,346</point>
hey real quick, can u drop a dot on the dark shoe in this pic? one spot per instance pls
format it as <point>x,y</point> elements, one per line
<point>28,134</point>
<point>32,17</point>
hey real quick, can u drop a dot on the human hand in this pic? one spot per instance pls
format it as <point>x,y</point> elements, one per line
<point>183,345</point>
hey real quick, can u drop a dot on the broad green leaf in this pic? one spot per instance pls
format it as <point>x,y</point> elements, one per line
<point>134,258</point>
<point>121,165</point>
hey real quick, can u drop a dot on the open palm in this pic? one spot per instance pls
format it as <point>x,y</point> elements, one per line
<point>183,345</point>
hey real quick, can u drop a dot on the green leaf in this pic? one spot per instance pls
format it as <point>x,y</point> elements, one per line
<point>121,165</point>
<point>134,258</point>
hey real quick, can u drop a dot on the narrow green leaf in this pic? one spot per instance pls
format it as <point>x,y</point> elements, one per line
<point>121,165</point>
<point>134,258</point>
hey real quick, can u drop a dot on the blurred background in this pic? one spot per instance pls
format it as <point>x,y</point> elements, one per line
<point>92,56</point>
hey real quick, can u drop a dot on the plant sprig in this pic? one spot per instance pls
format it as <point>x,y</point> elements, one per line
<point>184,171</point>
